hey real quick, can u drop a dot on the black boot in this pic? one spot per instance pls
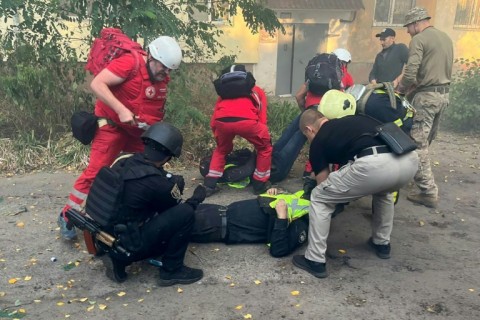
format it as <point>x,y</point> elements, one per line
<point>114,269</point>
<point>184,275</point>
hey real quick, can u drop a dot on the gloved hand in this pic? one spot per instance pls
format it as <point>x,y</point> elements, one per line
<point>308,185</point>
<point>198,196</point>
<point>179,181</point>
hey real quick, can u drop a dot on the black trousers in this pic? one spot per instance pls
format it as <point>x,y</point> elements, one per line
<point>167,234</point>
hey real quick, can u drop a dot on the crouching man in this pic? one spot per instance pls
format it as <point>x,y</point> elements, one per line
<point>153,221</point>
<point>371,169</point>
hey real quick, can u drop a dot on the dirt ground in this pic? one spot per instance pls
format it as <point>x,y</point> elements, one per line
<point>434,272</point>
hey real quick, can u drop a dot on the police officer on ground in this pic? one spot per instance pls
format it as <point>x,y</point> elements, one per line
<point>371,169</point>
<point>160,224</point>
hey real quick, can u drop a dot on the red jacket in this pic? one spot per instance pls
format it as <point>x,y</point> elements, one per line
<point>243,107</point>
<point>145,99</point>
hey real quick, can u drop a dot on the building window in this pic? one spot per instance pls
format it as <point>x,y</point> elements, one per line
<point>467,14</point>
<point>216,12</point>
<point>391,12</point>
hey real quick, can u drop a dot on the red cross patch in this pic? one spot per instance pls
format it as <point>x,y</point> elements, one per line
<point>150,92</point>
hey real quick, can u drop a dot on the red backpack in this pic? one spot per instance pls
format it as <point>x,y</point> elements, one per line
<point>111,44</point>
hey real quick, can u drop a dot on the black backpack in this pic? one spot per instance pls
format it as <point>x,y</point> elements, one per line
<point>234,84</point>
<point>323,73</point>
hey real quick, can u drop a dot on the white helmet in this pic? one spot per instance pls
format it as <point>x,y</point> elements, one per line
<point>167,51</point>
<point>343,54</point>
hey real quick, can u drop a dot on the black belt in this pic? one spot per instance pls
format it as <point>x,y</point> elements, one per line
<point>443,88</point>
<point>372,150</point>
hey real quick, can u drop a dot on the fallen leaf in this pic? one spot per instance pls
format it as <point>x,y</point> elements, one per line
<point>20,224</point>
<point>60,304</point>
<point>67,316</point>
<point>27,278</point>
<point>247,316</point>
<point>216,249</point>
<point>228,277</point>
<point>90,308</point>
<point>37,301</point>
<point>22,311</point>
<point>2,294</point>
<point>83,299</point>
<point>121,294</point>
<point>297,305</point>
<point>102,306</point>
<point>140,300</point>
<point>239,307</point>
<point>471,290</point>
<point>12,281</point>
<point>295,293</point>
<point>179,290</point>
<point>125,304</point>
<point>342,251</point>
<point>421,223</point>
<point>436,163</point>
<point>257,281</point>
<point>232,284</point>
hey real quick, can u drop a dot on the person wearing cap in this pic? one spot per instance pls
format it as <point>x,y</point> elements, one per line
<point>389,63</point>
<point>370,169</point>
<point>128,93</point>
<point>426,82</point>
<point>155,221</point>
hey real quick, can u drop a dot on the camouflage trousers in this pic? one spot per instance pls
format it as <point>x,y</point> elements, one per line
<point>429,107</point>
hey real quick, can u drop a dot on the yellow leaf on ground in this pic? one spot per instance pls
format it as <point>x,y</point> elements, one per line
<point>67,316</point>
<point>22,311</point>
<point>20,224</point>
<point>2,294</point>
<point>216,249</point>
<point>121,294</point>
<point>12,281</point>
<point>421,223</point>
<point>102,306</point>
<point>83,299</point>
<point>471,290</point>
<point>125,304</point>
<point>140,300</point>
<point>239,307</point>
<point>297,305</point>
<point>60,304</point>
<point>247,316</point>
<point>91,308</point>
<point>228,277</point>
<point>37,301</point>
<point>295,293</point>
<point>27,278</point>
<point>257,281</point>
<point>232,284</point>
<point>179,290</point>
<point>342,251</point>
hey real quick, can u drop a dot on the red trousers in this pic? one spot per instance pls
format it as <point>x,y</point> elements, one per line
<point>109,141</point>
<point>251,130</point>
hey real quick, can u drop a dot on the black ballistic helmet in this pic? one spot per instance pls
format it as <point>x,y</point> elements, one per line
<point>162,140</point>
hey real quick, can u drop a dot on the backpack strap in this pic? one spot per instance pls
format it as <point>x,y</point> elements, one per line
<point>362,102</point>
<point>391,94</point>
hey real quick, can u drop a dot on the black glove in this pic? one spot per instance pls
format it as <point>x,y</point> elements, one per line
<point>308,185</point>
<point>179,181</point>
<point>198,196</point>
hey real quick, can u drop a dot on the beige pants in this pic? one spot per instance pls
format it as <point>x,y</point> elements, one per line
<point>377,175</point>
<point>429,107</point>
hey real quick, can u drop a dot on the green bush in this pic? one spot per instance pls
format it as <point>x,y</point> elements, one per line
<point>34,116</point>
<point>464,109</point>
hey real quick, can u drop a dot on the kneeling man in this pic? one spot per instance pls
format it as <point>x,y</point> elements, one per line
<point>371,169</point>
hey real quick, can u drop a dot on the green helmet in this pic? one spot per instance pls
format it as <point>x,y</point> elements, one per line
<point>162,135</point>
<point>416,14</point>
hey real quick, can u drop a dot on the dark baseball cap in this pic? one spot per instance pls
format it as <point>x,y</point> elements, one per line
<point>387,32</point>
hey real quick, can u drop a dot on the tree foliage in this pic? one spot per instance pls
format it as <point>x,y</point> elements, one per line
<point>42,24</point>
